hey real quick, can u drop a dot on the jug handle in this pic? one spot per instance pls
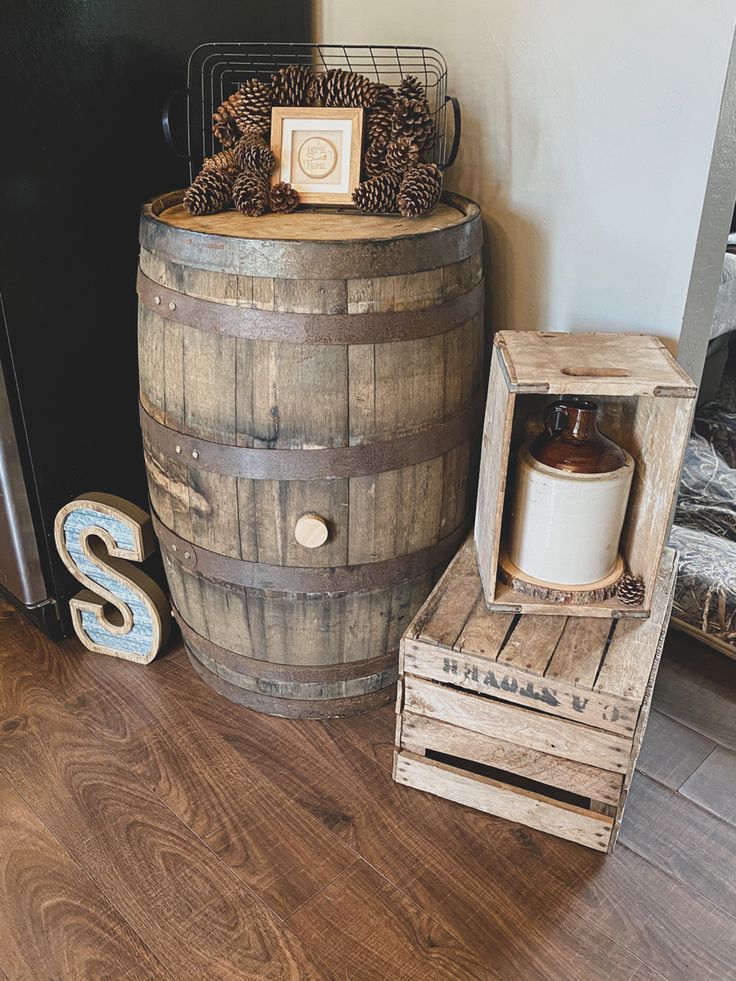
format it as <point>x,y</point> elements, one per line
<point>555,420</point>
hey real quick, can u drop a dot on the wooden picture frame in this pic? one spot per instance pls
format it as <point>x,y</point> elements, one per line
<point>318,151</point>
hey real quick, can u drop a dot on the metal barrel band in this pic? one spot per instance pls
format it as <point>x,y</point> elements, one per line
<point>307,691</point>
<point>270,671</point>
<point>308,328</point>
<point>365,577</point>
<point>293,708</point>
<point>317,259</point>
<point>359,460</point>
<point>283,688</point>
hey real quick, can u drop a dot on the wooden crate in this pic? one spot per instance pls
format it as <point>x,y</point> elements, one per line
<point>646,404</point>
<point>536,719</point>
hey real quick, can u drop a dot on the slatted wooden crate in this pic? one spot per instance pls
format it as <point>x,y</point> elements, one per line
<point>646,403</point>
<point>537,719</point>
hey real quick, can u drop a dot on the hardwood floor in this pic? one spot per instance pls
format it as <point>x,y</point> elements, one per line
<point>151,829</point>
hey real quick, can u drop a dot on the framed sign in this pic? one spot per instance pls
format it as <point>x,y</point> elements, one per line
<point>318,152</point>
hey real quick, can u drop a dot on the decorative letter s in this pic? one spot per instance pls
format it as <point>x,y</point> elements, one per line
<point>121,612</point>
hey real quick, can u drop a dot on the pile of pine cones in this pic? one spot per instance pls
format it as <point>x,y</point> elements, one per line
<point>240,175</point>
<point>399,134</point>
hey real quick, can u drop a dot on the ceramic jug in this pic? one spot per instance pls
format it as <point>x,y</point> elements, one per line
<point>569,504</point>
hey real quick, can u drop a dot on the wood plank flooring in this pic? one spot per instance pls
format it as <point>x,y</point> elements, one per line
<point>151,829</point>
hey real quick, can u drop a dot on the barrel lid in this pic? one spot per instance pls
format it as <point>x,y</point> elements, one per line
<point>312,224</point>
<point>313,243</point>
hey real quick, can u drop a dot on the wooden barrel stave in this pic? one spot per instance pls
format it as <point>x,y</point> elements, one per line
<point>365,516</point>
<point>242,392</point>
<point>299,629</point>
<point>236,390</point>
<point>382,294</point>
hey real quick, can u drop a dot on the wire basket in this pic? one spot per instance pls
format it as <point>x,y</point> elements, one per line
<point>216,70</point>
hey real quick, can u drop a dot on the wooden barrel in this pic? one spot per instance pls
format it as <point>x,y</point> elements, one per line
<point>310,389</point>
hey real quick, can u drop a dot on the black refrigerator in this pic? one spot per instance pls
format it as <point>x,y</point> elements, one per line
<point>83,88</point>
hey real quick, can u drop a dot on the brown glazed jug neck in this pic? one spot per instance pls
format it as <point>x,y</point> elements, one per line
<point>571,440</point>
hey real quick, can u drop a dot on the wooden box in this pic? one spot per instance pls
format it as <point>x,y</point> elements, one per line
<point>646,404</point>
<point>535,719</point>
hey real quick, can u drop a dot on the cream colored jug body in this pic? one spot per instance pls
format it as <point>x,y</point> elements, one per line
<point>565,527</point>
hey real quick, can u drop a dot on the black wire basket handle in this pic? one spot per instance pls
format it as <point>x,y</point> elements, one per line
<point>166,122</point>
<point>457,129</point>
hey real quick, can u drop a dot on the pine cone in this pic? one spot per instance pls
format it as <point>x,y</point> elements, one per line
<point>224,160</point>
<point>314,92</point>
<point>630,589</point>
<point>292,86</point>
<point>339,88</point>
<point>374,158</point>
<point>420,190</point>
<point>209,192</point>
<point>412,118</point>
<point>224,125</point>
<point>250,194</point>
<point>401,154</point>
<point>382,95</point>
<point>283,198</point>
<point>251,106</point>
<point>377,194</point>
<point>253,153</point>
<point>411,88</point>
<point>378,124</point>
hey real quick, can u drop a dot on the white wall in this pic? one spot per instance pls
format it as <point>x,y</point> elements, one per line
<point>588,128</point>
